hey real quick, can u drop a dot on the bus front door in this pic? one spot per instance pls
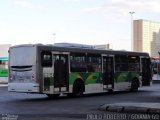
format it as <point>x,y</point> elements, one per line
<point>146,71</point>
<point>61,72</point>
<point>108,72</point>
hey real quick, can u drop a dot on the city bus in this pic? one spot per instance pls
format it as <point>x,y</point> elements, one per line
<point>3,69</point>
<point>55,70</point>
<point>156,69</point>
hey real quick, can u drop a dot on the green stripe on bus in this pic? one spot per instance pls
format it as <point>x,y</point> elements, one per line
<point>3,72</point>
<point>88,78</point>
<point>126,76</point>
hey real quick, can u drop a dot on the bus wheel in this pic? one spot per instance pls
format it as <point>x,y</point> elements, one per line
<point>134,85</point>
<point>78,88</point>
<point>110,90</point>
<point>52,96</point>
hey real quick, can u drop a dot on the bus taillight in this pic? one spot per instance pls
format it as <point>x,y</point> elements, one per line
<point>33,76</point>
<point>11,77</point>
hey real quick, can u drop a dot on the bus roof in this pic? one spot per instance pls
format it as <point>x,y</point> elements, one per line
<point>82,50</point>
<point>91,51</point>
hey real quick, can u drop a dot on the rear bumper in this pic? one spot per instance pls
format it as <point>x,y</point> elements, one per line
<point>23,87</point>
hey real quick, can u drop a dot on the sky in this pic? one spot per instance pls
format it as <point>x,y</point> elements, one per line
<point>74,21</point>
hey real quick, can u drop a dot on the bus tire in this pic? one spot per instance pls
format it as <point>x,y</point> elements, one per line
<point>78,88</point>
<point>110,90</point>
<point>134,85</point>
<point>52,96</point>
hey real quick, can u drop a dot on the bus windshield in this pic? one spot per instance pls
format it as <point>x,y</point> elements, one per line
<point>22,56</point>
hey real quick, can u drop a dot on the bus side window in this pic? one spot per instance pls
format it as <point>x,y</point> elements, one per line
<point>133,63</point>
<point>94,63</point>
<point>121,63</point>
<point>78,62</point>
<point>46,59</point>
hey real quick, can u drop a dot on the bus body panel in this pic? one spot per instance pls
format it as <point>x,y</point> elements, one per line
<point>88,78</point>
<point>123,80</point>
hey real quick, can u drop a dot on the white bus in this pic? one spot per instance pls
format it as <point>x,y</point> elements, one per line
<point>53,70</point>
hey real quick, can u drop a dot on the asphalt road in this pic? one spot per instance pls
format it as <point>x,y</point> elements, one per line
<point>24,106</point>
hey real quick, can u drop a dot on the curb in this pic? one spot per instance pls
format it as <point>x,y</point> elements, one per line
<point>132,109</point>
<point>129,109</point>
<point>115,108</point>
<point>153,110</point>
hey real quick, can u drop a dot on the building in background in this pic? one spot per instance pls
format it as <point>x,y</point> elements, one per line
<point>4,63</point>
<point>146,37</point>
<point>104,46</point>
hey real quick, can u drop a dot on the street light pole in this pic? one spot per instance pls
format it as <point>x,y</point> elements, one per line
<point>131,13</point>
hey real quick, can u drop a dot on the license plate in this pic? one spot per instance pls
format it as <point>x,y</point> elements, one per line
<point>20,74</point>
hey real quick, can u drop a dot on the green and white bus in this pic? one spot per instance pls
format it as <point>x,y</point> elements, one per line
<point>55,70</point>
<point>156,69</point>
<point>3,69</point>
